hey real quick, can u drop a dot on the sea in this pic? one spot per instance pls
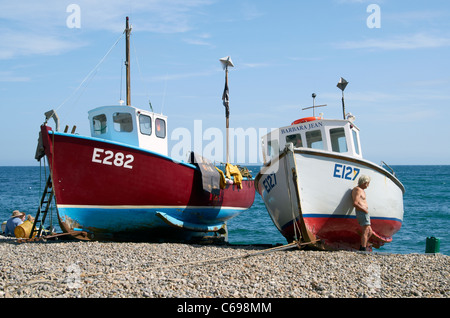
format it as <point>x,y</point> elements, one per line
<point>426,206</point>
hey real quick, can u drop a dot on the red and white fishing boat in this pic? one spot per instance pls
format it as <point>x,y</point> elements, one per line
<point>307,180</point>
<point>120,184</point>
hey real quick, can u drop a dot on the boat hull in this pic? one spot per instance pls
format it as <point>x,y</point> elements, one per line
<point>113,191</point>
<point>313,188</point>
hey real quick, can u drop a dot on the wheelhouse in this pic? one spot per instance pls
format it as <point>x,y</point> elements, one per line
<point>131,126</point>
<point>335,136</point>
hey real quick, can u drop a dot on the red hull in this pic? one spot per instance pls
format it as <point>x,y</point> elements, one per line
<point>93,172</point>
<point>344,233</point>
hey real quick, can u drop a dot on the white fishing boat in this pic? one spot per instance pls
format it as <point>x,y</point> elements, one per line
<point>306,182</point>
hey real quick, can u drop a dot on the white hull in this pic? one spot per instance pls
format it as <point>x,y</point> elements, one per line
<point>314,187</point>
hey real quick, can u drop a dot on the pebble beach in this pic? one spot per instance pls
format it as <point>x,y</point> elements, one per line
<point>77,269</point>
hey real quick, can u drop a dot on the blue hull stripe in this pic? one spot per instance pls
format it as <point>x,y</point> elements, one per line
<point>121,219</point>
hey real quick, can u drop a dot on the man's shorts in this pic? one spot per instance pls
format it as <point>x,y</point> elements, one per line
<point>363,218</point>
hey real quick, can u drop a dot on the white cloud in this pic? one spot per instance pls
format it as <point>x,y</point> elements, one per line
<point>196,41</point>
<point>160,16</point>
<point>201,39</point>
<point>179,76</point>
<point>14,43</point>
<point>404,42</point>
<point>400,97</point>
<point>256,65</point>
<point>32,27</point>
<point>310,59</point>
<point>410,18</point>
<point>250,11</point>
<point>152,15</point>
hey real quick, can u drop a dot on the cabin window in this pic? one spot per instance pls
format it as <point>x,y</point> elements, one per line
<point>145,125</point>
<point>123,122</point>
<point>355,141</point>
<point>160,125</point>
<point>295,139</point>
<point>314,139</point>
<point>338,141</point>
<point>99,123</point>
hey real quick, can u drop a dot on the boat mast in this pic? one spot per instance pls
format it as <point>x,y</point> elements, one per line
<point>127,62</point>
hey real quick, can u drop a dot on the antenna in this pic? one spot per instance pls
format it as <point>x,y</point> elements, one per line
<point>226,62</point>
<point>342,85</point>
<point>314,105</point>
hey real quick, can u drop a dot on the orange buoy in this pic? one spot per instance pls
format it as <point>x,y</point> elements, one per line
<point>305,120</point>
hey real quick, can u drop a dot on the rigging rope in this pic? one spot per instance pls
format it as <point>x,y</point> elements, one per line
<point>140,269</point>
<point>90,73</point>
<point>140,73</point>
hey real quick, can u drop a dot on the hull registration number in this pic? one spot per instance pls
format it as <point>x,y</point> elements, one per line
<point>345,172</point>
<point>110,158</point>
<point>270,182</point>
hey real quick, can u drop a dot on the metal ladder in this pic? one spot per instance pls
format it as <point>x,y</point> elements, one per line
<point>44,205</point>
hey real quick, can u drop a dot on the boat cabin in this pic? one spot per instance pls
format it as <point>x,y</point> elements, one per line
<point>337,136</point>
<point>131,126</point>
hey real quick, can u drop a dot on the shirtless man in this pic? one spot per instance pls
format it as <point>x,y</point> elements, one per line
<point>362,210</point>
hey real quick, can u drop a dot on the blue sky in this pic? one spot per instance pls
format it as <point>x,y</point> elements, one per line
<point>283,52</point>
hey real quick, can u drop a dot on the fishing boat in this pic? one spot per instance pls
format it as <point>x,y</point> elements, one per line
<point>310,168</point>
<point>119,183</point>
